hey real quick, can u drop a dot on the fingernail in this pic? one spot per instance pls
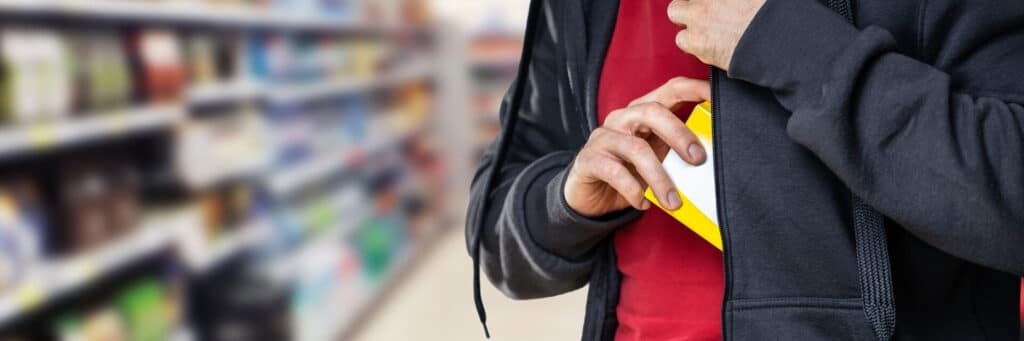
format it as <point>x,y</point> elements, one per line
<point>645,205</point>
<point>696,152</point>
<point>674,202</point>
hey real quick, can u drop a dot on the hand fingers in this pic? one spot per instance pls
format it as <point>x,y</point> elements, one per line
<point>679,12</point>
<point>676,91</point>
<point>693,43</point>
<point>611,171</point>
<point>655,118</point>
<point>641,156</point>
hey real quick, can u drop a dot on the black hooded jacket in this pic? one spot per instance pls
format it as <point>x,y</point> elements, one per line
<point>870,176</point>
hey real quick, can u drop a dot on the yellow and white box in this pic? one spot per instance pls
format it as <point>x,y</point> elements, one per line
<point>696,184</point>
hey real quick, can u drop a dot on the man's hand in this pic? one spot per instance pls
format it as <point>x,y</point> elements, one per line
<point>623,157</point>
<point>712,28</point>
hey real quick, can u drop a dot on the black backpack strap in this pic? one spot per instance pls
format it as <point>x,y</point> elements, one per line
<point>873,261</point>
<point>504,139</point>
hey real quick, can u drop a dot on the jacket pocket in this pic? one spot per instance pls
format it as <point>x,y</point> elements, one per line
<point>797,318</point>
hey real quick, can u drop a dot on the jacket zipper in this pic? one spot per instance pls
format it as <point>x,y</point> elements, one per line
<point>716,143</point>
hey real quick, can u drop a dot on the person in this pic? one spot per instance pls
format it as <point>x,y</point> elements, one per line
<point>868,156</point>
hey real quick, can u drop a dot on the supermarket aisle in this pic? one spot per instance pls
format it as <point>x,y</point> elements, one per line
<point>436,303</point>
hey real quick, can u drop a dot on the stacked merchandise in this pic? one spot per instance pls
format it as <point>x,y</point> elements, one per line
<point>364,179</point>
<point>90,203</point>
<point>23,230</point>
<point>52,75</point>
<point>101,71</point>
<point>146,309</point>
<point>98,201</point>
<point>37,75</point>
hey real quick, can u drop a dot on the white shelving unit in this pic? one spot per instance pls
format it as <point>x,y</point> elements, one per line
<point>30,137</point>
<point>193,12</point>
<point>217,251</point>
<point>418,70</point>
<point>291,179</point>
<point>233,91</point>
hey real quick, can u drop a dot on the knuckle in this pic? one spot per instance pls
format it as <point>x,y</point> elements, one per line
<point>636,145</point>
<point>680,84</point>
<point>637,101</point>
<point>615,117</point>
<point>613,170</point>
<point>650,108</point>
<point>584,161</point>
<point>634,193</point>
<point>701,9</point>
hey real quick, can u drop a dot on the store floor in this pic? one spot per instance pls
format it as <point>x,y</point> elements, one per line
<point>435,302</point>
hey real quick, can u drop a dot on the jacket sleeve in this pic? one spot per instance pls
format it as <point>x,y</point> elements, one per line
<point>532,243</point>
<point>946,165</point>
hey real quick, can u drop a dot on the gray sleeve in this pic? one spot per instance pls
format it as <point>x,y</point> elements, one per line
<point>532,244</point>
<point>946,165</point>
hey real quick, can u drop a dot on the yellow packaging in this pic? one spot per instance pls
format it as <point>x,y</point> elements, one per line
<point>696,184</point>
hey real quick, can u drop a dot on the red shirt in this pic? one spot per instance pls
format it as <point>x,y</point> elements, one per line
<point>672,279</point>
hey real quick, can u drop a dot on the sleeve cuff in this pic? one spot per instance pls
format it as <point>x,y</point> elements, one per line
<point>566,233</point>
<point>790,46</point>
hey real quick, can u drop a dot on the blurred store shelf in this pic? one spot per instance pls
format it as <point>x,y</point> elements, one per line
<point>288,180</point>
<point>285,267</point>
<point>54,280</point>
<point>33,137</point>
<point>348,310</point>
<point>192,12</point>
<point>329,106</point>
<point>221,249</point>
<point>418,70</point>
<point>226,92</point>
<point>293,178</point>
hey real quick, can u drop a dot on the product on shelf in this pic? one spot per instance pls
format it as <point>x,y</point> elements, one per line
<point>160,65</point>
<point>202,59</point>
<point>149,310</point>
<point>36,81</point>
<point>83,189</point>
<point>226,208</point>
<point>256,57</point>
<point>124,203</point>
<point>235,305</point>
<point>145,310</point>
<point>99,201</point>
<point>102,74</point>
<point>103,324</point>
<point>378,243</point>
<point>292,135</point>
<point>224,144</point>
<point>212,58</point>
<point>22,230</point>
